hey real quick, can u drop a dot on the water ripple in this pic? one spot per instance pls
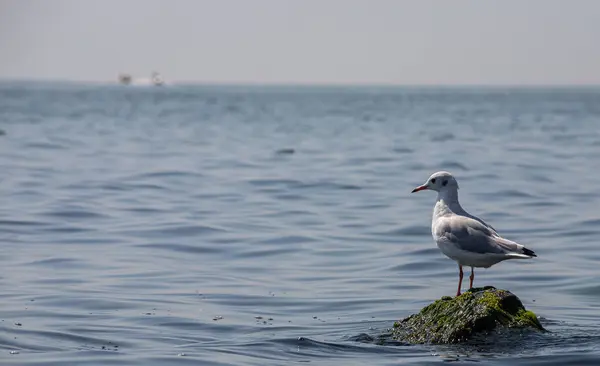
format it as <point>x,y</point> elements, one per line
<point>223,225</point>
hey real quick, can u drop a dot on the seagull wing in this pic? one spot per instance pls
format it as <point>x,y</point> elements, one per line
<point>473,236</point>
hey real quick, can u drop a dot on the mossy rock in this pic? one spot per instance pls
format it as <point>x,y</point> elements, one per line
<point>457,319</point>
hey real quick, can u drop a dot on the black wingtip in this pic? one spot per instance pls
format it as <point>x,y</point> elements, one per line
<point>529,252</point>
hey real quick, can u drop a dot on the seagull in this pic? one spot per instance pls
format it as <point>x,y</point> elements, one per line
<point>465,238</point>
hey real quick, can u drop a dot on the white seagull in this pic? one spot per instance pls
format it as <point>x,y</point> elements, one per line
<point>463,237</point>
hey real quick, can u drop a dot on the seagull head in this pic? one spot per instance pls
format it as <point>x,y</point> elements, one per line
<point>439,182</point>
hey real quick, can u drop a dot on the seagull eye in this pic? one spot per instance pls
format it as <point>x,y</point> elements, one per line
<point>444,183</point>
<point>433,181</point>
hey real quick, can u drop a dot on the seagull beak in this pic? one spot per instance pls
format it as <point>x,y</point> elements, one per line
<point>419,188</point>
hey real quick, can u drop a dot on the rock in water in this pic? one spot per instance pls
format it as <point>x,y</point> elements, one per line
<point>456,319</point>
<point>285,151</point>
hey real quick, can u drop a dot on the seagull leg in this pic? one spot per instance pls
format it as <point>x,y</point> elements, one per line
<point>472,277</point>
<point>460,277</point>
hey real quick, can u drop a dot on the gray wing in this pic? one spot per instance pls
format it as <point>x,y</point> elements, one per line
<point>482,222</point>
<point>473,236</point>
<point>462,212</point>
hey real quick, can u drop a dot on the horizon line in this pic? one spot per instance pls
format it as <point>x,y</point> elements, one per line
<point>304,84</point>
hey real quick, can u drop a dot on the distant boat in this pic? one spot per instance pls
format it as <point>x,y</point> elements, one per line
<point>125,79</point>
<point>155,79</point>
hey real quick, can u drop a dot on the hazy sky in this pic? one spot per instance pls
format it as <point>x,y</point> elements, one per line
<point>304,41</point>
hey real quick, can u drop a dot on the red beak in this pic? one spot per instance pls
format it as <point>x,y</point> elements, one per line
<point>419,188</point>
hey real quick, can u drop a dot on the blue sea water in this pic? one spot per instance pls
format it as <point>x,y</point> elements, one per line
<point>223,225</point>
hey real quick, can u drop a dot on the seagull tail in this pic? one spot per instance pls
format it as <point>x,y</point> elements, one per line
<point>529,252</point>
<point>523,253</point>
<point>514,250</point>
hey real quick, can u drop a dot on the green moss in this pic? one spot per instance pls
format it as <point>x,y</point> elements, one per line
<point>490,300</point>
<point>528,318</point>
<point>452,320</point>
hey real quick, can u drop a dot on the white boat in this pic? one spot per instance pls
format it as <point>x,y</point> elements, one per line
<point>155,79</point>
